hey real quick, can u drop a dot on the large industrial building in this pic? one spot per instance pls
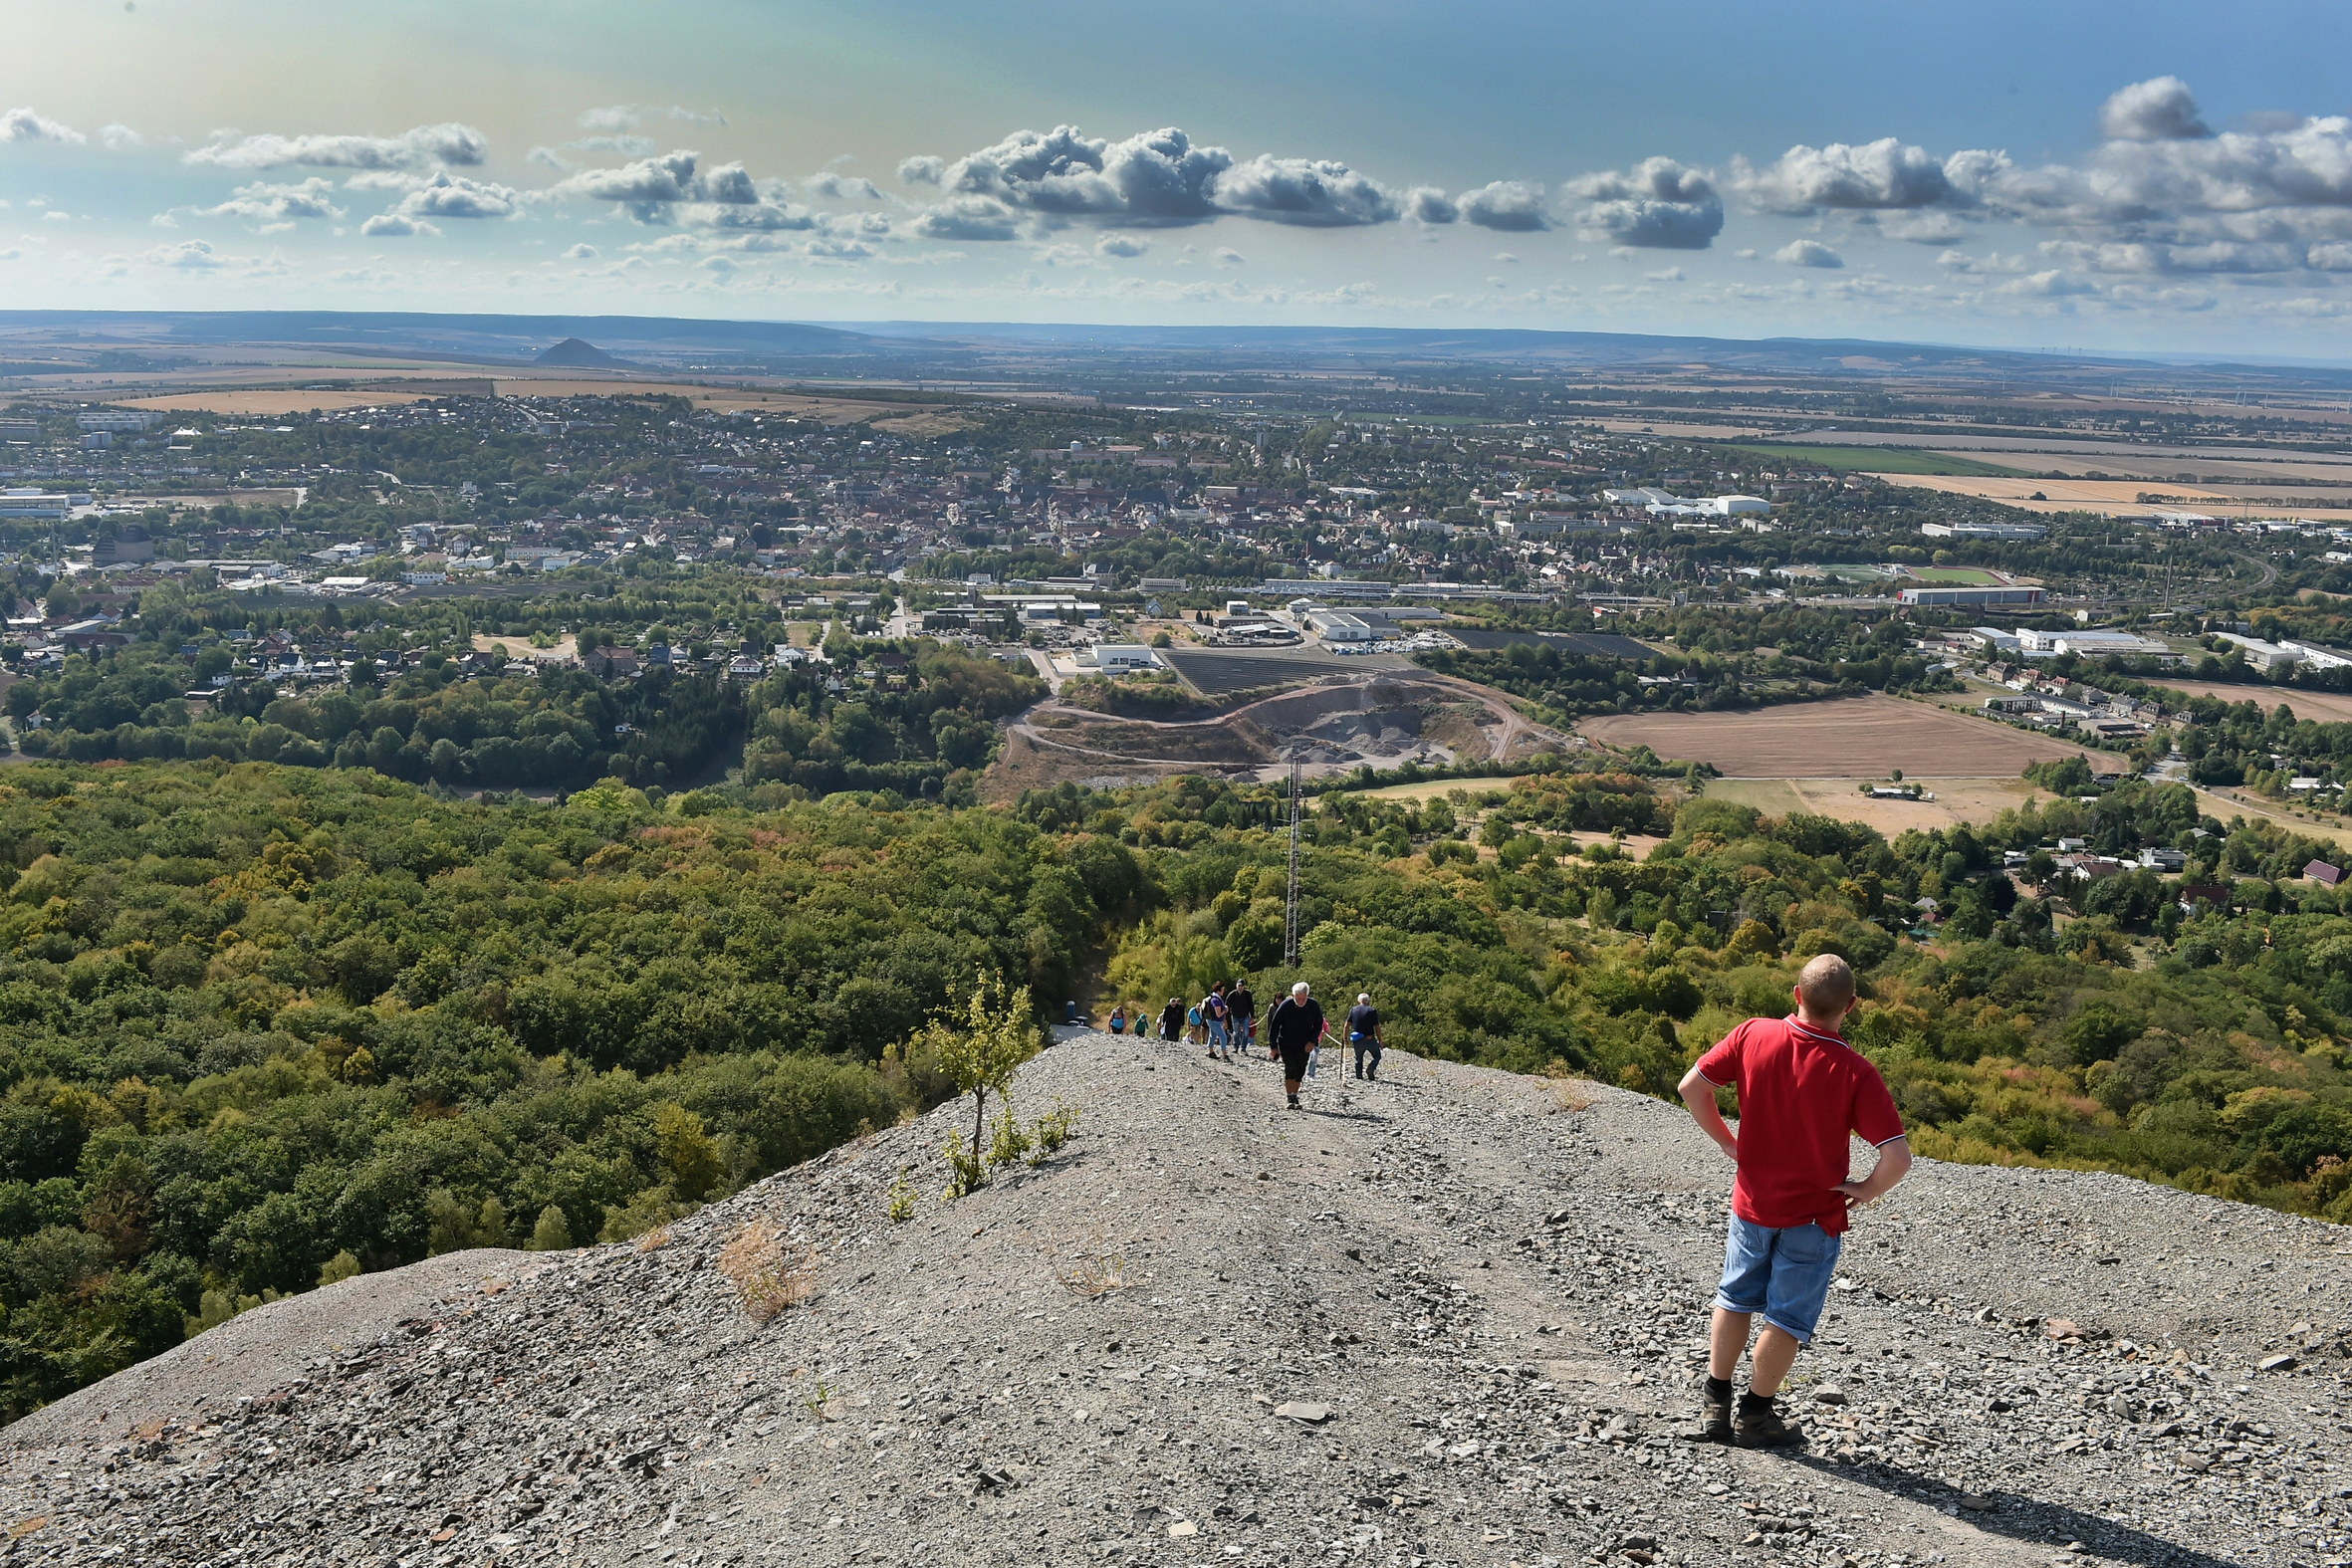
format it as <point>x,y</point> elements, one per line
<point>2008,593</point>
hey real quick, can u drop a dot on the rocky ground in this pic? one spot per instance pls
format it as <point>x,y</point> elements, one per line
<point>1449,1319</point>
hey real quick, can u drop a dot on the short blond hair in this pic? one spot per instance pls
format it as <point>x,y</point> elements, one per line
<point>1825,985</point>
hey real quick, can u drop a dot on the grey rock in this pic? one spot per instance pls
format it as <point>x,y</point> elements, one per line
<point>947,1393</point>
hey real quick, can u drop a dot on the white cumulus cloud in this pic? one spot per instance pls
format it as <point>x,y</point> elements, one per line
<point>1035,181</point>
<point>967,219</point>
<point>1509,205</point>
<point>30,124</point>
<point>650,189</point>
<point>842,187</point>
<point>414,148</point>
<point>1658,204</point>
<point>2161,109</point>
<point>1156,178</point>
<point>1309,192</point>
<point>278,206</point>
<point>1428,204</point>
<point>1808,253</point>
<point>448,196</point>
<point>395,225</point>
<point>193,255</point>
<point>1881,175</point>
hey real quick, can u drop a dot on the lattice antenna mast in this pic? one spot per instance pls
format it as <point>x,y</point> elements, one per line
<point>1290,900</point>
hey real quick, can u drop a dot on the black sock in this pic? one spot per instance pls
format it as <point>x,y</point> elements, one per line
<point>1721,1388</point>
<point>1752,1398</point>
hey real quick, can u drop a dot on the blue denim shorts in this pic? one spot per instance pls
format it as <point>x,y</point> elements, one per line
<point>1784,1275</point>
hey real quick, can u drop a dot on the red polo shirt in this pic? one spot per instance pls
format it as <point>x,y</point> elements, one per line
<point>1801,1091</point>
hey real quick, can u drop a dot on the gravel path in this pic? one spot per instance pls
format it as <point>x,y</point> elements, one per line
<point>1449,1319</point>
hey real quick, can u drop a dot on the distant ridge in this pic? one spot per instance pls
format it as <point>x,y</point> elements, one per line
<point>1071,351</point>
<point>579,353</point>
<point>511,338</point>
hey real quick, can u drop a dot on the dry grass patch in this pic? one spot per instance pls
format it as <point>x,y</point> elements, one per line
<point>1572,1094</point>
<point>1101,1269</point>
<point>768,1278</point>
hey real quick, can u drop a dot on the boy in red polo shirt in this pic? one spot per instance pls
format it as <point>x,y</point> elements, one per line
<point>1802,1089</point>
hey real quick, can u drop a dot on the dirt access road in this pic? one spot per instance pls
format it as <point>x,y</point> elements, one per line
<point>1448,1317</point>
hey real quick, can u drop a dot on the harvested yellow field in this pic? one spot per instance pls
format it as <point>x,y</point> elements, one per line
<point>1956,800</point>
<point>1435,788</point>
<point>2328,707</point>
<point>1848,738</point>
<point>268,406</point>
<point>566,647</point>
<point>915,418</point>
<point>2223,804</point>
<point>2111,496</point>
<point>278,402</point>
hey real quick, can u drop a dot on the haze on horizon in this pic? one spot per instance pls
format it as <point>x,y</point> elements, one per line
<point>2143,177</point>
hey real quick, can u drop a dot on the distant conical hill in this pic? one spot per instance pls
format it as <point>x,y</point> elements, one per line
<point>579,353</point>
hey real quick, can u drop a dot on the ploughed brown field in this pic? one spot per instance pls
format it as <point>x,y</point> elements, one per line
<point>1848,738</point>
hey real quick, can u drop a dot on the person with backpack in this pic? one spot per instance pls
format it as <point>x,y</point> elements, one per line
<point>1193,1030</point>
<point>1118,1018</point>
<point>1364,1032</point>
<point>1172,1021</point>
<point>1244,1020</point>
<point>1296,1028</point>
<point>1218,1018</point>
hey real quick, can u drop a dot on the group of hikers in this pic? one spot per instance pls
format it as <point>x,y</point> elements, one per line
<point>1226,1022</point>
<point>1802,1092</point>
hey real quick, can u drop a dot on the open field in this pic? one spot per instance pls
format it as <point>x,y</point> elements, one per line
<point>1884,459</point>
<point>2073,493</point>
<point>1966,576</point>
<point>2225,804</point>
<point>2325,707</point>
<point>913,418</point>
<point>567,647</point>
<point>269,406</point>
<point>1593,645</point>
<point>1850,737</point>
<point>2114,497</point>
<point>1956,800</point>
<point>1434,788</point>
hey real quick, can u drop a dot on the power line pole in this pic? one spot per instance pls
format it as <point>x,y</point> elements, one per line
<point>1290,901</point>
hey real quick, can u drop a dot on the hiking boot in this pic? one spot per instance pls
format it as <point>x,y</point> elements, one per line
<point>1715,1410</point>
<point>1758,1426</point>
<point>1295,1105</point>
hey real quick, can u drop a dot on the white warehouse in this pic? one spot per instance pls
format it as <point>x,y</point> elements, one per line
<point>1120,656</point>
<point>1339,627</point>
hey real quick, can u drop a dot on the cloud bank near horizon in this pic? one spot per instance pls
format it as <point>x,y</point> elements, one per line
<point>2160,211</point>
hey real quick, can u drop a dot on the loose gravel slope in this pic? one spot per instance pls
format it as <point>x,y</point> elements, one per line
<point>1448,1318</point>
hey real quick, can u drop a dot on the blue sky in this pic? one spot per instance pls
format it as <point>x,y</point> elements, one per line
<point>2147,177</point>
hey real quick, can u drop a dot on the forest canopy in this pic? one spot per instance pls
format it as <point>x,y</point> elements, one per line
<point>263,1024</point>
